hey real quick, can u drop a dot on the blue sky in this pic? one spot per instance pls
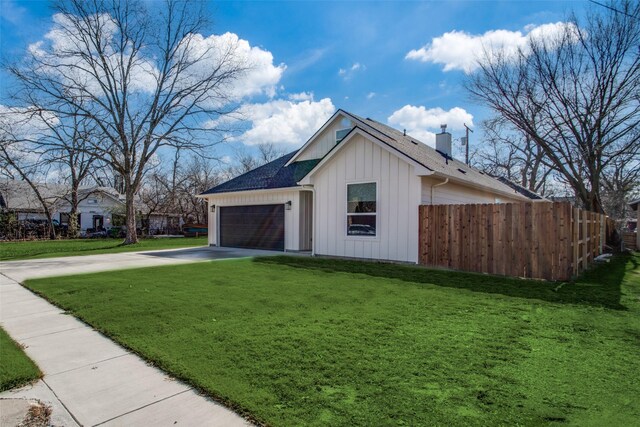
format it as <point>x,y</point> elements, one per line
<point>352,55</point>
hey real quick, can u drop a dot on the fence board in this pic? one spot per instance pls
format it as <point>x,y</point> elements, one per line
<point>552,241</point>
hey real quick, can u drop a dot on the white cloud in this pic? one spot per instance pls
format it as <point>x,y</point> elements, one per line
<point>284,122</point>
<point>25,123</point>
<point>261,78</point>
<point>422,123</point>
<point>370,95</point>
<point>11,12</point>
<point>19,129</point>
<point>302,96</point>
<point>57,55</point>
<point>347,73</point>
<point>306,60</point>
<point>459,50</point>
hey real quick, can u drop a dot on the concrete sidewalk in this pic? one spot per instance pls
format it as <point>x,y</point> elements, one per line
<point>63,266</point>
<point>88,379</point>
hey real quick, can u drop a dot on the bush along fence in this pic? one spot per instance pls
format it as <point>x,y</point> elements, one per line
<point>552,241</point>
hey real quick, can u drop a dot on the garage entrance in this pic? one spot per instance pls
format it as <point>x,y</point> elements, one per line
<point>252,227</point>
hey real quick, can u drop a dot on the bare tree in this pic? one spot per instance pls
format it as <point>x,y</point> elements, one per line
<point>513,155</point>
<point>244,161</point>
<point>156,196</point>
<point>144,78</point>
<point>576,96</point>
<point>18,159</point>
<point>197,177</point>
<point>620,185</point>
<point>68,143</point>
<point>174,190</point>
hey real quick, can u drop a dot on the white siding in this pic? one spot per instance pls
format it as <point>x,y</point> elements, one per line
<point>104,206</point>
<point>306,220</point>
<point>325,140</point>
<point>28,216</point>
<point>457,194</point>
<point>261,197</point>
<point>397,204</point>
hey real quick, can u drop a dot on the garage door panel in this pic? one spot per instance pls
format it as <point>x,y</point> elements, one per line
<point>255,227</point>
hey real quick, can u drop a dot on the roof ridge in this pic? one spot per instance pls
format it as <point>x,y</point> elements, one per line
<point>364,121</point>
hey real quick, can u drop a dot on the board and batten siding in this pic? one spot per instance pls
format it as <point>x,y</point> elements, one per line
<point>325,141</point>
<point>453,193</point>
<point>264,197</point>
<point>306,220</point>
<point>398,199</point>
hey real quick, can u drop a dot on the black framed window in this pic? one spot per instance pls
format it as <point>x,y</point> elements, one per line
<point>362,209</point>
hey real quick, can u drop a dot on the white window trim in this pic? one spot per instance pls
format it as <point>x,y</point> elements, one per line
<point>346,212</point>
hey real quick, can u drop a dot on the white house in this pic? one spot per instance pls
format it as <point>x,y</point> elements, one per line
<point>100,208</point>
<point>352,190</point>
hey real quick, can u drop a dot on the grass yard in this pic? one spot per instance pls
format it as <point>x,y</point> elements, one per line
<point>304,341</point>
<point>10,251</point>
<point>16,368</point>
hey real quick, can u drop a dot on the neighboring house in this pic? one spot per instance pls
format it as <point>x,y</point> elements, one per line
<point>353,190</point>
<point>100,208</point>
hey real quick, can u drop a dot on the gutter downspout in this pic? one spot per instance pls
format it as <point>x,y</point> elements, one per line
<point>313,218</point>
<point>446,181</point>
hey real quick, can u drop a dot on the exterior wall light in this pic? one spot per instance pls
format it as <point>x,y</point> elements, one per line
<point>287,205</point>
<point>212,208</point>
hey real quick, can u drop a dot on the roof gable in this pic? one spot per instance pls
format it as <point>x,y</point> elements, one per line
<point>311,149</point>
<point>432,159</point>
<point>277,174</point>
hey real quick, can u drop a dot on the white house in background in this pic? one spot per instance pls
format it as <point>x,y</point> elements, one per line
<point>352,190</point>
<point>99,207</point>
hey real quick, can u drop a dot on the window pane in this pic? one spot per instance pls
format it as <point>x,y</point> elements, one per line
<point>361,198</point>
<point>340,134</point>
<point>361,225</point>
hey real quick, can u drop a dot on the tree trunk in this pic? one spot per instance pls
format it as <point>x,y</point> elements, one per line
<point>132,235</point>
<point>73,230</point>
<point>52,229</point>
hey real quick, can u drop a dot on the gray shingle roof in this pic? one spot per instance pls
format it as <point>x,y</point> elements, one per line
<point>520,189</point>
<point>19,196</point>
<point>272,175</point>
<point>277,175</point>
<point>429,157</point>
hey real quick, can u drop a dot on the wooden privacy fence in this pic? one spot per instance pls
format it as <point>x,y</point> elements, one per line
<point>629,240</point>
<point>552,241</point>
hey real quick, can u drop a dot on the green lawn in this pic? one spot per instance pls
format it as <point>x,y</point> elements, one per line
<point>16,368</point>
<point>10,251</point>
<point>304,341</point>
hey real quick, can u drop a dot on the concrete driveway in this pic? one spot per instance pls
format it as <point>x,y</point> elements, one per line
<point>88,379</point>
<point>63,266</point>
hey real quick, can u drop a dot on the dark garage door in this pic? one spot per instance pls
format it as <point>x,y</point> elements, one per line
<point>254,227</point>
